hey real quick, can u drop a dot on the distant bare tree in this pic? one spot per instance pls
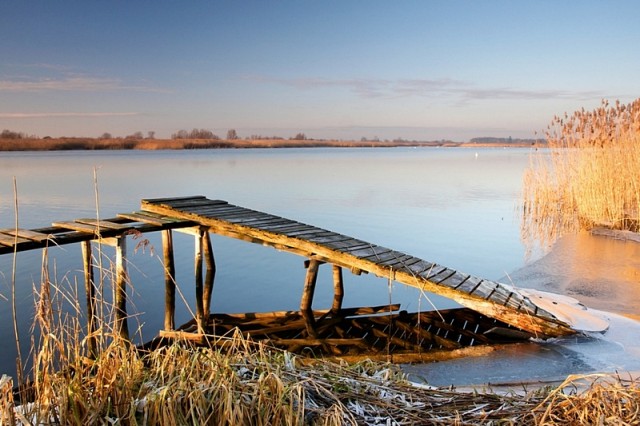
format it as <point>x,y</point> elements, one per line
<point>180,134</point>
<point>136,135</point>
<point>232,135</point>
<point>8,134</point>
<point>106,135</point>
<point>300,137</point>
<point>151,134</point>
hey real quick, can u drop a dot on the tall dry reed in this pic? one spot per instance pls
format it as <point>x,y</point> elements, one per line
<point>590,175</point>
<point>237,381</point>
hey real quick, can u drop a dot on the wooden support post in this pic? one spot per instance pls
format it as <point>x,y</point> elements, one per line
<point>307,297</point>
<point>120,290</point>
<point>338,290</point>
<point>199,240</point>
<point>169,281</point>
<point>210,275</point>
<point>90,291</point>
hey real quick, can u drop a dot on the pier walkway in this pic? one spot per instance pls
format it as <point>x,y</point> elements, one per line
<point>496,309</point>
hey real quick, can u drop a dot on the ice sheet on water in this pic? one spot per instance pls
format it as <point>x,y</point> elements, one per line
<point>600,273</point>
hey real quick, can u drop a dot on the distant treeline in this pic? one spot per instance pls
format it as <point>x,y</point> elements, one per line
<point>509,140</point>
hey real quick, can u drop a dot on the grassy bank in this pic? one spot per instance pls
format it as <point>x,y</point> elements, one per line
<point>67,144</point>
<point>238,382</point>
<point>591,178</point>
<point>245,384</point>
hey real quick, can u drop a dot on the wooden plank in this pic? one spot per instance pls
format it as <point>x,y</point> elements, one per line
<point>172,199</point>
<point>442,276</point>
<point>397,262</point>
<point>417,268</point>
<point>432,271</point>
<point>74,226</point>
<point>455,280</point>
<point>485,289</point>
<point>10,240</point>
<point>217,211</point>
<point>328,237</point>
<point>380,258</point>
<point>469,285</point>
<point>145,217</point>
<point>103,224</point>
<point>305,232</point>
<point>348,244</point>
<point>27,234</point>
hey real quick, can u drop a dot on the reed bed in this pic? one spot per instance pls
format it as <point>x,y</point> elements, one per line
<point>237,381</point>
<point>590,177</point>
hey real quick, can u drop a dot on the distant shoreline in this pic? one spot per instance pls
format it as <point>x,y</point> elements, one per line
<point>89,144</point>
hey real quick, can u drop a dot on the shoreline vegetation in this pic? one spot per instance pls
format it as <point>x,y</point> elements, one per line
<point>25,143</point>
<point>590,180</point>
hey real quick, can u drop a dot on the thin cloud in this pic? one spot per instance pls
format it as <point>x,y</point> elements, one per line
<point>18,115</point>
<point>403,88</point>
<point>71,84</point>
<point>506,93</point>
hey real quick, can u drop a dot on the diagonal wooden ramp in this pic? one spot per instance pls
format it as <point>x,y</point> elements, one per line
<point>487,297</point>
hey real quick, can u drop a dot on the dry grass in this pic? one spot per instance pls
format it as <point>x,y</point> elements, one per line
<point>237,381</point>
<point>591,176</point>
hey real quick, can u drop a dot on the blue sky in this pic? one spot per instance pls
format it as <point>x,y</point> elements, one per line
<point>331,69</point>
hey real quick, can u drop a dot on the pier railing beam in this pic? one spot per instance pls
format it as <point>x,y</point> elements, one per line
<point>307,297</point>
<point>338,290</point>
<point>169,280</point>
<point>90,290</point>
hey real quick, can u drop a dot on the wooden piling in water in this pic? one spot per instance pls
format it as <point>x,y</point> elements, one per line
<point>210,275</point>
<point>307,297</point>
<point>199,242</point>
<point>120,289</point>
<point>169,280</point>
<point>338,290</point>
<point>89,286</point>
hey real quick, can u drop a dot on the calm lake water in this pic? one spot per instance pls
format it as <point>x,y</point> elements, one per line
<point>454,206</point>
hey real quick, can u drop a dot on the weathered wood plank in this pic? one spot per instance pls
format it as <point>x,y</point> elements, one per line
<point>469,285</point>
<point>158,220</point>
<point>103,224</point>
<point>455,280</point>
<point>10,240</point>
<point>176,199</point>
<point>75,226</point>
<point>27,234</point>
<point>442,276</point>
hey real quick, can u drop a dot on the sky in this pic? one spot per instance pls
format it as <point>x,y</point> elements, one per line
<point>424,70</point>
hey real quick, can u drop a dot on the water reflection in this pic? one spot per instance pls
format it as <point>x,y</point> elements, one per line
<point>444,205</point>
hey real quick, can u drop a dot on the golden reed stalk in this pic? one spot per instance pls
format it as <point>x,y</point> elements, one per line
<point>590,176</point>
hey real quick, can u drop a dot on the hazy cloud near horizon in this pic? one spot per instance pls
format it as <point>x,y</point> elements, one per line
<point>404,87</point>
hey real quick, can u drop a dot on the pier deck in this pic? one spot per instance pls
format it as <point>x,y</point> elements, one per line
<point>493,312</point>
<point>490,298</point>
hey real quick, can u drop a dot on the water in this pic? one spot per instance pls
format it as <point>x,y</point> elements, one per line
<point>453,206</point>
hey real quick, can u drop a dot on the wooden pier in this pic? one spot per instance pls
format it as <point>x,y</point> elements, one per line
<point>493,312</point>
